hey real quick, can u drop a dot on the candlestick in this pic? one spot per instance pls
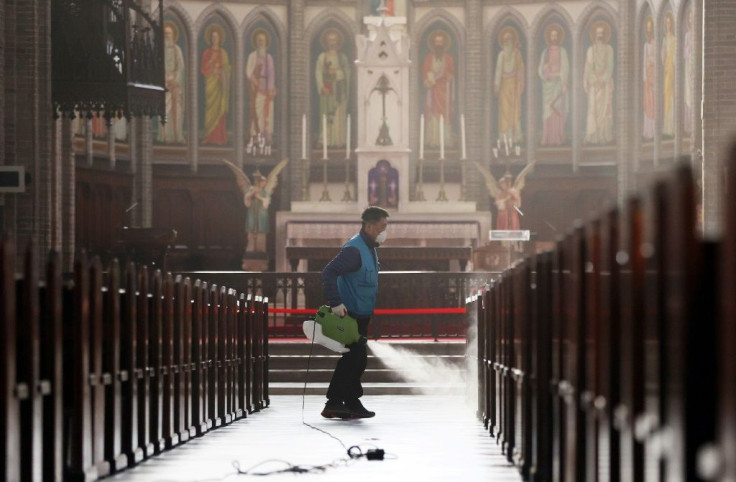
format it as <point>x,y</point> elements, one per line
<point>462,134</point>
<point>304,136</point>
<point>442,137</point>
<point>347,148</point>
<point>421,136</point>
<point>324,137</point>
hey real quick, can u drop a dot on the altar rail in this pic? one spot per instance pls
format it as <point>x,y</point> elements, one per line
<point>103,370</point>
<point>611,356</point>
<point>300,294</point>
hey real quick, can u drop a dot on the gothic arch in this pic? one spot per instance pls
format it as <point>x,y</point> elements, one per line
<point>233,42</point>
<point>535,121</point>
<point>591,14</point>
<point>507,15</point>
<point>263,14</point>
<point>174,9</point>
<point>345,24</point>
<point>421,29</point>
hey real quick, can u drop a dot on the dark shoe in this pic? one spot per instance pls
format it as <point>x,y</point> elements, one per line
<point>357,410</point>
<point>336,410</point>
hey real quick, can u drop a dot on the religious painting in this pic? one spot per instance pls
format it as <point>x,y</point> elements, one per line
<point>376,5</point>
<point>215,85</point>
<point>393,7</point>
<point>668,52</point>
<point>689,57</point>
<point>553,71</point>
<point>509,79</point>
<point>599,75</point>
<point>175,55</point>
<point>438,54</point>
<point>383,185</point>
<point>262,47</point>
<point>332,61</point>
<point>649,67</point>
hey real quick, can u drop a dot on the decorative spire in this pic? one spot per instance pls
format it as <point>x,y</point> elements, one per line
<point>382,8</point>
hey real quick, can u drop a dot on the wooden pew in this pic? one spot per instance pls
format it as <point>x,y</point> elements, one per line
<point>28,366</point>
<point>180,361</point>
<point>213,416</point>
<point>691,310</point>
<point>541,368</point>
<point>248,359</point>
<point>222,348</point>
<point>97,379</point>
<point>718,461</point>
<point>9,410</point>
<point>200,314</point>
<point>257,353</point>
<point>608,348</point>
<point>52,370</point>
<point>521,369</point>
<point>131,373</point>
<point>492,318</point>
<point>591,345</point>
<point>157,370</point>
<point>264,340</point>
<point>113,375</point>
<point>77,392</point>
<point>573,355</point>
<point>145,373</point>
<point>556,335</point>
<point>241,398</point>
<point>168,369</point>
<point>632,343</point>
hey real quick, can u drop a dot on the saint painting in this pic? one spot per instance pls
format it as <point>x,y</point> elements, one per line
<point>438,79</point>
<point>332,72</point>
<point>669,49</point>
<point>688,55</point>
<point>508,84</point>
<point>598,85</point>
<point>175,78</point>
<point>216,71</point>
<point>648,70</point>
<point>260,73</point>
<point>554,73</point>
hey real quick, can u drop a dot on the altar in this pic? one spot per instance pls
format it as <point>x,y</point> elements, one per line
<point>450,236</point>
<point>432,226</point>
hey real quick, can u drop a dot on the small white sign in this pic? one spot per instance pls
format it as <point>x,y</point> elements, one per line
<point>508,235</point>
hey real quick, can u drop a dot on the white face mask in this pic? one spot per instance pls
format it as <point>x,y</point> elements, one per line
<point>381,238</point>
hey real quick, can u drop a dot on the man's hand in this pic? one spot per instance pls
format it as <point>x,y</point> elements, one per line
<point>339,310</point>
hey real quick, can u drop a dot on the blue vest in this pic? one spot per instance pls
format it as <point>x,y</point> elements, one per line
<point>358,289</point>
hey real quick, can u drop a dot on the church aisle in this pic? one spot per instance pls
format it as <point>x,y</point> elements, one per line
<point>425,437</point>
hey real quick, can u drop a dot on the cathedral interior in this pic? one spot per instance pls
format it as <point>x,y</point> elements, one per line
<point>247,137</point>
<point>596,96</point>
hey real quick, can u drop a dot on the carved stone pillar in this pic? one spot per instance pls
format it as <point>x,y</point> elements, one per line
<point>626,110</point>
<point>298,100</point>
<point>719,105</point>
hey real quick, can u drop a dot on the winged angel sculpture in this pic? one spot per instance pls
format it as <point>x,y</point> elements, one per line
<point>257,198</point>
<point>507,194</point>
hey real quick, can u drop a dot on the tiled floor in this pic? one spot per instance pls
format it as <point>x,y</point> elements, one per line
<point>425,437</point>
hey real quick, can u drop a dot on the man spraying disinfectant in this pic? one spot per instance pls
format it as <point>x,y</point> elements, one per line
<point>350,283</point>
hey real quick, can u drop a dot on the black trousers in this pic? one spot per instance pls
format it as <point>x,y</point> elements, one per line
<point>345,384</point>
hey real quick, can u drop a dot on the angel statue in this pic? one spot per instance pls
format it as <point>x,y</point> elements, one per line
<point>257,197</point>
<point>507,194</point>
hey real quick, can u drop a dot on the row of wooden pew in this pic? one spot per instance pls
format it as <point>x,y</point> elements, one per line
<point>610,357</point>
<point>114,366</point>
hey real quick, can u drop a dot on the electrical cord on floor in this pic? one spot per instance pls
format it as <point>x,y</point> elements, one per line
<point>353,453</point>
